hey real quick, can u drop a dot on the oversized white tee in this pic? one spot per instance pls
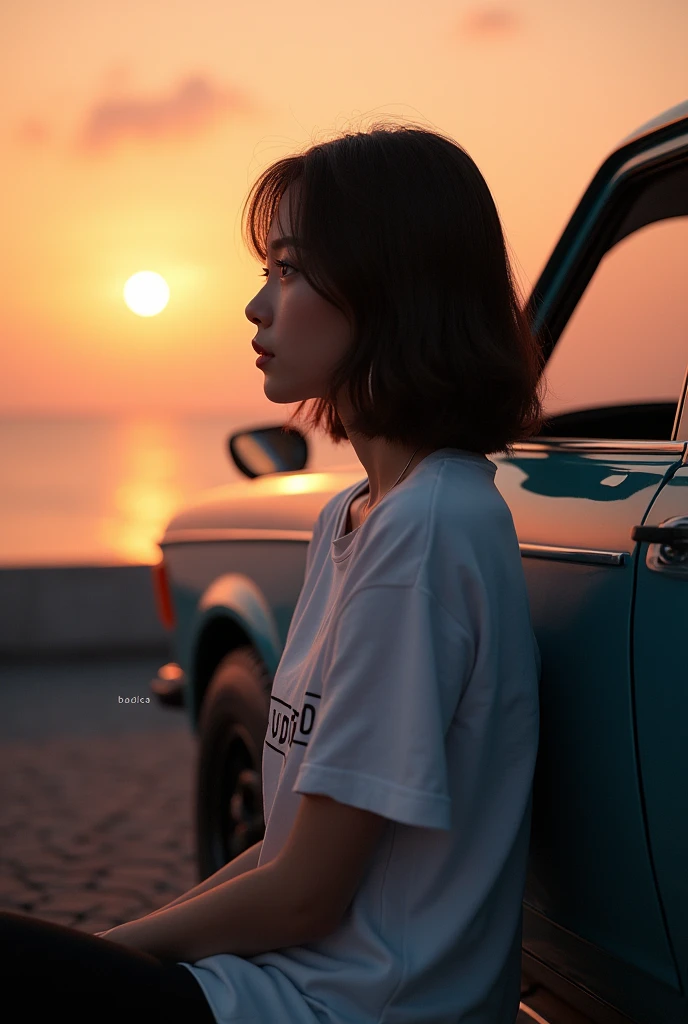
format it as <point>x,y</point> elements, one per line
<point>408,686</point>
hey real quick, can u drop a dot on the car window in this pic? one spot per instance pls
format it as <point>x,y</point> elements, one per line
<point>626,343</point>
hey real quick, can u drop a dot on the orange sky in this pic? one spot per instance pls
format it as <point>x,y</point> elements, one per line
<point>130,133</point>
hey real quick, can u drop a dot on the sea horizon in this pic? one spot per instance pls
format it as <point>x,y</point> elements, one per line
<point>83,489</point>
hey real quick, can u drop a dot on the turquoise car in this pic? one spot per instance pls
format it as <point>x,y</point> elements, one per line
<point>600,504</point>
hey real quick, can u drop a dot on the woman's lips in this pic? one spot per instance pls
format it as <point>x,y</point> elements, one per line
<point>260,350</point>
<point>263,354</point>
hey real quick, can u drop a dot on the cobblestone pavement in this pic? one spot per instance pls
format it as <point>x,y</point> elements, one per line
<point>96,803</point>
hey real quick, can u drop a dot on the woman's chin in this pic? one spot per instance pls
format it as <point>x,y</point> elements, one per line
<point>283,394</point>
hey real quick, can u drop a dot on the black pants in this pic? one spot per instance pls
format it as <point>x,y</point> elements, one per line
<point>47,968</point>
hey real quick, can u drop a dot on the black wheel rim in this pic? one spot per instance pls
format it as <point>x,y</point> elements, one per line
<point>237,816</point>
<point>244,812</point>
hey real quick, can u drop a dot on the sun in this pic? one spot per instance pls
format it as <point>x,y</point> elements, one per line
<point>146,293</point>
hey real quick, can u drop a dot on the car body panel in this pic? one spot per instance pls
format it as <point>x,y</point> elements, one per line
<point>587,771</point>
<point>239,596</point>
<point>661,702</point>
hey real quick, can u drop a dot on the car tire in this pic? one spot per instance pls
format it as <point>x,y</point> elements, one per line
<point>232,724</point>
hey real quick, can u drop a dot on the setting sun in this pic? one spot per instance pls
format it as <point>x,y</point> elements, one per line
<point>146,293</point>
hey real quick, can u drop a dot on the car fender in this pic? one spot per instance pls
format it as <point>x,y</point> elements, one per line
<point>234,599</point>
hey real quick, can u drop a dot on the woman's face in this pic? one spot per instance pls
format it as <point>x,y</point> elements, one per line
<point>307,334</point>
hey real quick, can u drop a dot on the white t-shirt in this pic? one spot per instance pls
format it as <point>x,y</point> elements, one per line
<point>408,686</point>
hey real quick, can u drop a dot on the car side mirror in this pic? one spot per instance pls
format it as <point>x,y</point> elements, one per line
<point>265,450</point>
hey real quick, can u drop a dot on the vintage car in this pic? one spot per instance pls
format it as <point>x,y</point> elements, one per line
<point>600,504</point>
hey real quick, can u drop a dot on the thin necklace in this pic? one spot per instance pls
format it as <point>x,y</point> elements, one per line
<point>364,515</point>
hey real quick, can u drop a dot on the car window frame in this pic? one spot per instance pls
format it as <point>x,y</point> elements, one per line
<point>599,221</point>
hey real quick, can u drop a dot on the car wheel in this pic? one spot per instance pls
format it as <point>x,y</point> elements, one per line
<point>232,724</point>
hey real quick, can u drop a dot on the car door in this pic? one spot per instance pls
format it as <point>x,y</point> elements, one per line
<point>660,684</point>
<point>611,307</point>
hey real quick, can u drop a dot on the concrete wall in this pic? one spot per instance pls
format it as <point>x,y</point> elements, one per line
<point>80,610</point>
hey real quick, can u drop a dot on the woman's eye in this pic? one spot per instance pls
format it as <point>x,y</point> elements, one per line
<point>278,263</point>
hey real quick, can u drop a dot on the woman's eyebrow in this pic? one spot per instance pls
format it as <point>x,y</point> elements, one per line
<point>282,243</point>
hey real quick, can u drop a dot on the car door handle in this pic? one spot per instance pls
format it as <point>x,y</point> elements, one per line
<point>660,534</point>
<point>668,546</point>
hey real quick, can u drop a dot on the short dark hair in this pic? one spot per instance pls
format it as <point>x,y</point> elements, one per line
<point>397,228</point>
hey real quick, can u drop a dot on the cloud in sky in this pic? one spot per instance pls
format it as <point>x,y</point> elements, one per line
<point>490,22</point>
<point>194,105</point>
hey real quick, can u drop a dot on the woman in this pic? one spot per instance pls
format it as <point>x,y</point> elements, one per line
<point>403,730</point>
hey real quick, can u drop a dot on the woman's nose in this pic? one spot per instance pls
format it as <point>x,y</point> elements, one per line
<point>257,310</point>
<point>251,313</point>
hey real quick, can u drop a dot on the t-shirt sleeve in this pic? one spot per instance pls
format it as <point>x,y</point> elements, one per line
<point>397,666</point>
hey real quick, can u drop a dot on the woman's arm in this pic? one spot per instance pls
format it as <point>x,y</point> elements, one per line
<point>298,897</point>
<point>258,911</point>
<point>246,861</point>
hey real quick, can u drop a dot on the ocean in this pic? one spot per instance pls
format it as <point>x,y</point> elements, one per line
<point>100,491</point>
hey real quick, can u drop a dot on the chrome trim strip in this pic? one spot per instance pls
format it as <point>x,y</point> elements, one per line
<point>596,445</point>
<point>218,535</point>
<point>212,534</point>
<point>586,556</point>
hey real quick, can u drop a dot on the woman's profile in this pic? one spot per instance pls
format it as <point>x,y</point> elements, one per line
<point>403,731</point>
